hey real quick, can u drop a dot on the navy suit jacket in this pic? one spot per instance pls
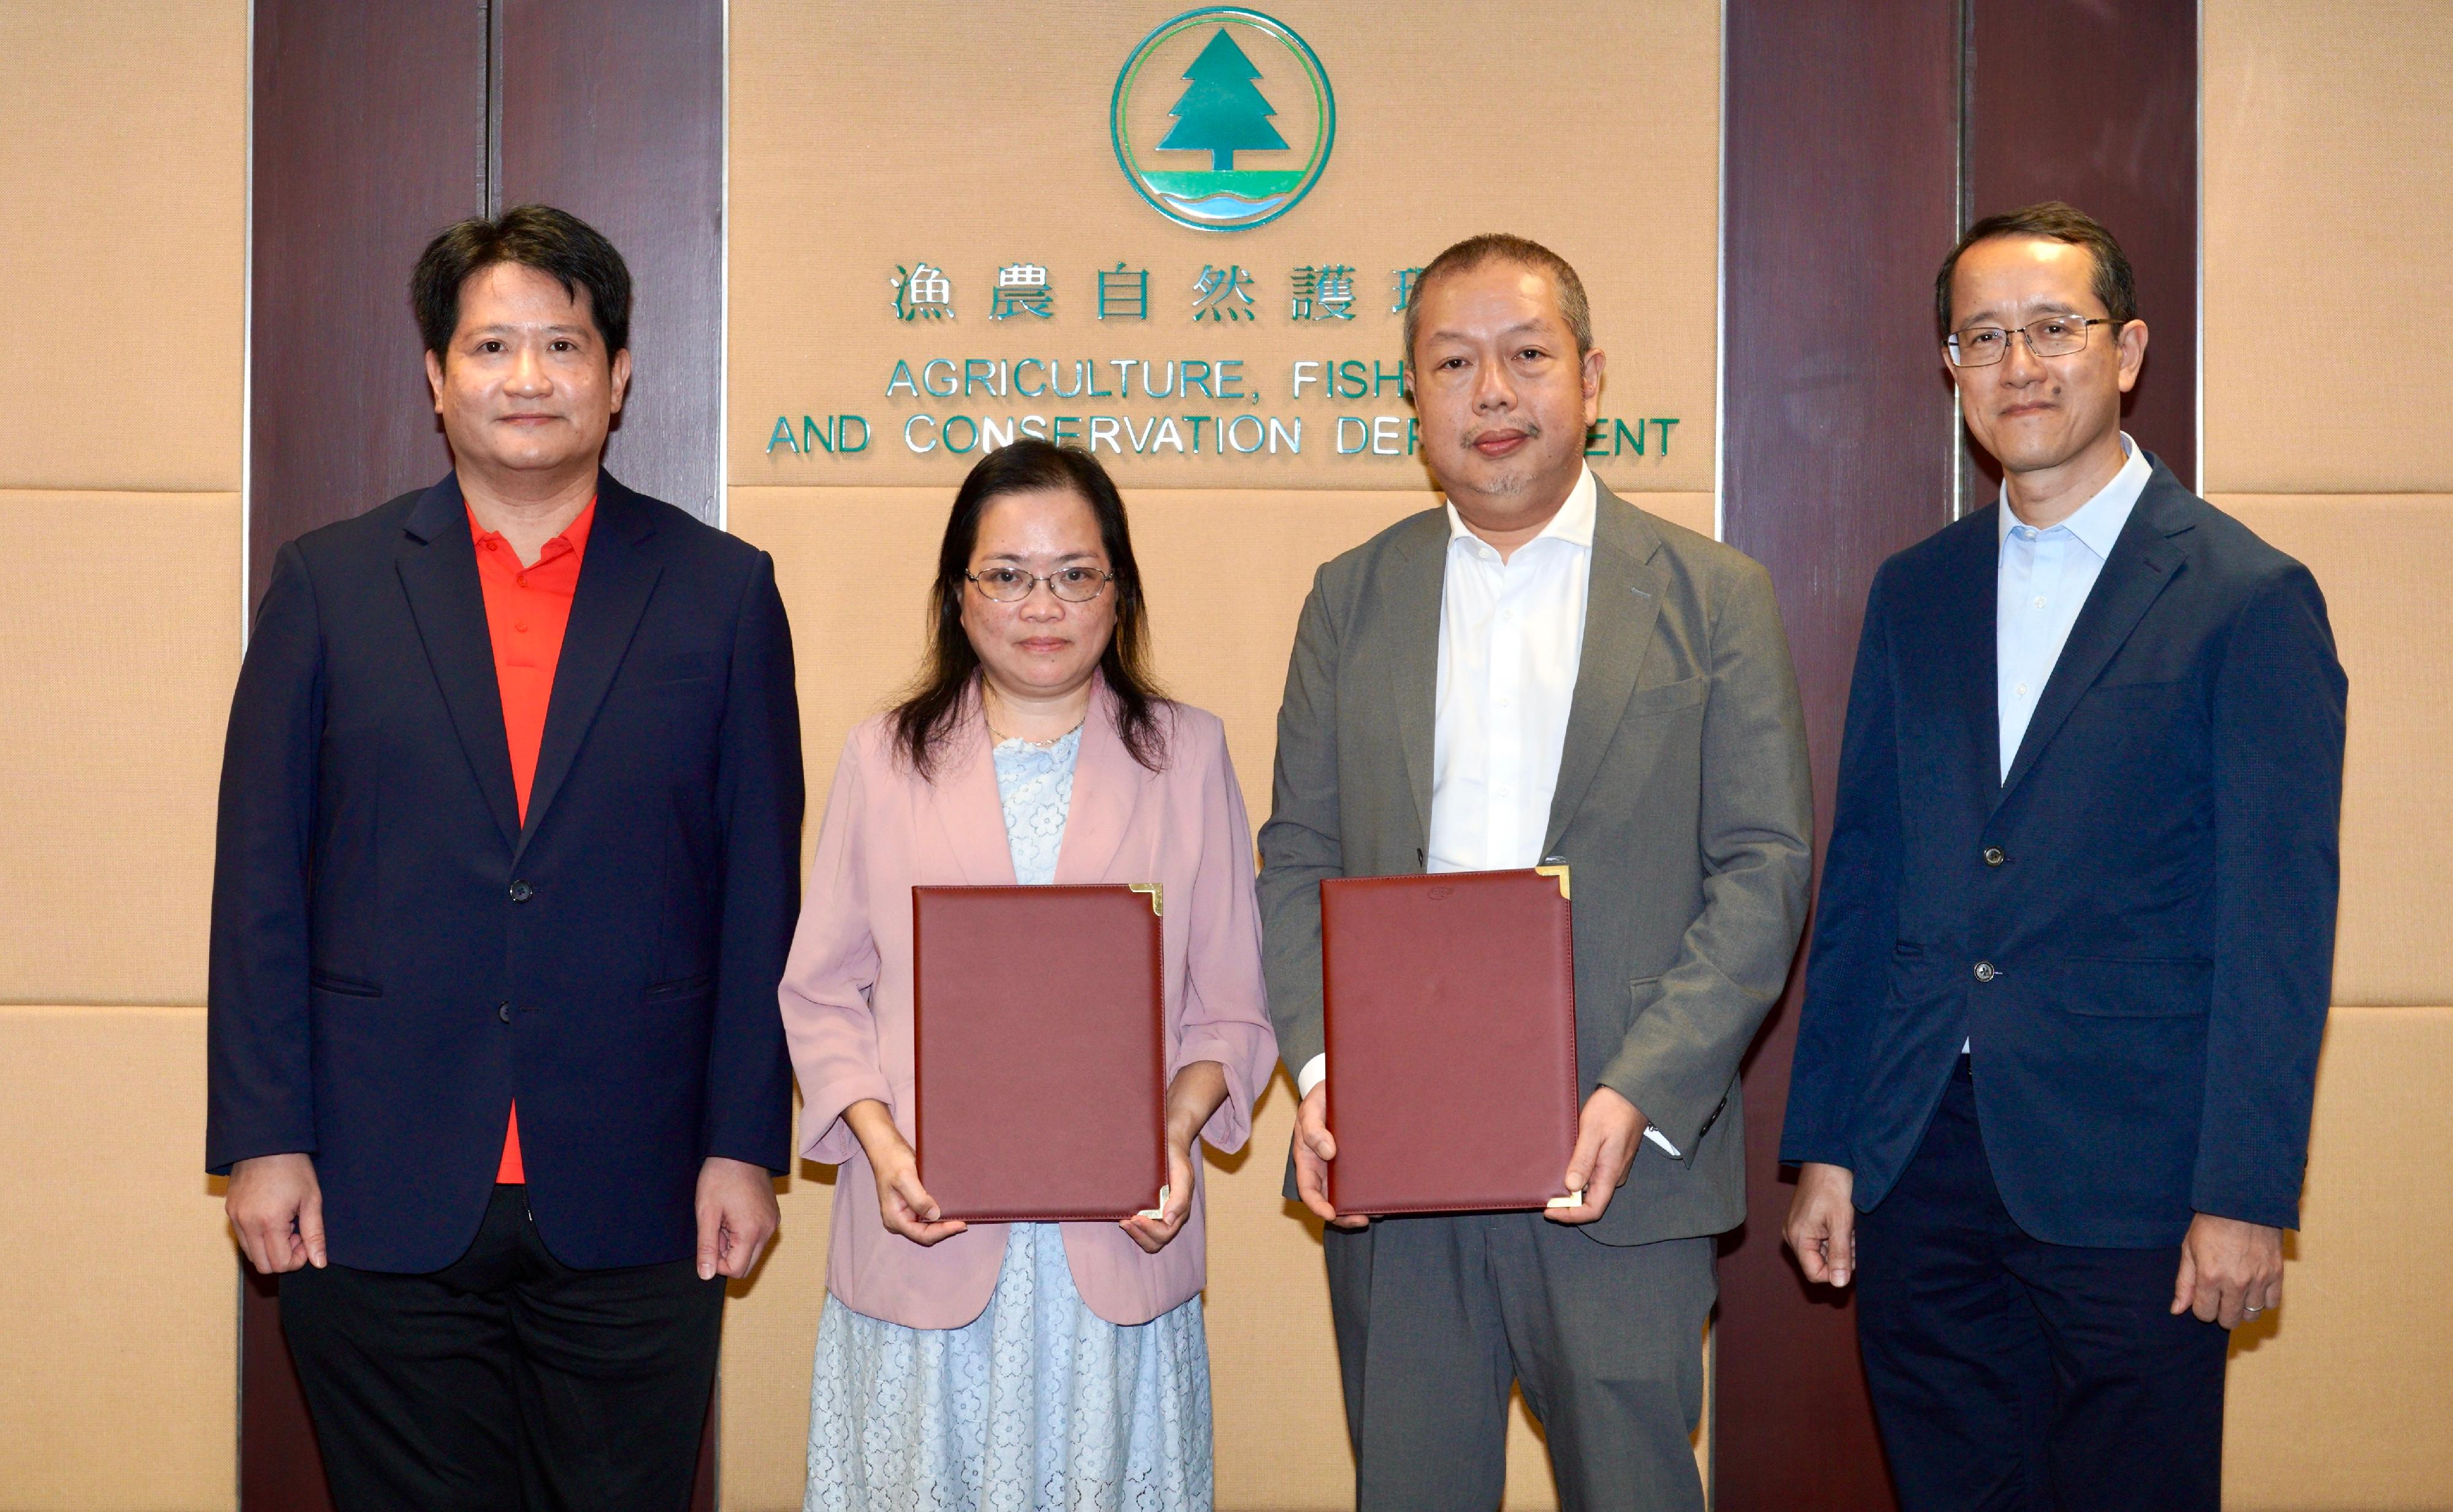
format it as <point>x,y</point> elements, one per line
<point>395,958</point>
<point>2136,927</point>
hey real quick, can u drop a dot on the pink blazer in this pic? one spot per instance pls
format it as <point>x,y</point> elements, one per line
<point>846,992</point>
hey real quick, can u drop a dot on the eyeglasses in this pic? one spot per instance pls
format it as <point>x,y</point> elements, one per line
<point>2054,336</point>
<point>1075,585</point>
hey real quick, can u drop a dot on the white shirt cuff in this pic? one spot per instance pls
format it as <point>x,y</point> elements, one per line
<point>1656,1136</point>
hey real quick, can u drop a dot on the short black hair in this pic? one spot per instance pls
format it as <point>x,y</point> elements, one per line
<point>2114,287</point>
<point>1498,246</point>
<point>553,242</point>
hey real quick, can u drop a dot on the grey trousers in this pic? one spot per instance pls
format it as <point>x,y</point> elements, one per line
<point>1437,1315</point>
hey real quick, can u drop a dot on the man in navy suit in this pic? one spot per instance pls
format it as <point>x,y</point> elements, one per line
<point>510,814</point>
<point>2076,931</point>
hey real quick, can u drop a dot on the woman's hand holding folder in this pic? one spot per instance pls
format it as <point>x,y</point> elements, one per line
<point>1191,1099</point>
<point>901,1201</point>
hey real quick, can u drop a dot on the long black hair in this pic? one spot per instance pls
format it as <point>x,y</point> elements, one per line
<point>923,721</point>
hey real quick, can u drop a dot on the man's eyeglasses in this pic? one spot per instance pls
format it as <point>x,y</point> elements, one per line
<point>2054,336</point>
<point>1075,585</point>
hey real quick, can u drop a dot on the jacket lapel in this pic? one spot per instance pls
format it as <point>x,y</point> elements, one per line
<point>964,796</point>
<point>438,571</point>
<point>1419,577</point>
<point>1622,605</point>
<point>616,579</point>
<point>2144,561</point>
<point>1107,786</point>
<point>1956,651</point>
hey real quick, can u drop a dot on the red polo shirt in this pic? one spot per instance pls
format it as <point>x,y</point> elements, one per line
<point>526,610</point>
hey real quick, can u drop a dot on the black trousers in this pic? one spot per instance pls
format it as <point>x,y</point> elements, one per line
<point>1436,1315</point>
<point>2010,1375</point>
<point>506,1380</point>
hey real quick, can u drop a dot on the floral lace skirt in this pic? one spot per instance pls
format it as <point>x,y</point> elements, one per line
<point>1038,1404</point>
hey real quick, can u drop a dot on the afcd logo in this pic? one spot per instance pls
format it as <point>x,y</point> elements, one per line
<point>1222,119</point>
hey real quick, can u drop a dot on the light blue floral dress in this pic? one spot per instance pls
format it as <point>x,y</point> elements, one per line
<point>1039,1403</point>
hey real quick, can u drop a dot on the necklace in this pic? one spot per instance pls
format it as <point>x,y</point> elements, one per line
<point>999,738</point>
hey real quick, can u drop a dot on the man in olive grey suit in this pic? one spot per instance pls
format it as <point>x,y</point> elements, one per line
<point>1540,672</point>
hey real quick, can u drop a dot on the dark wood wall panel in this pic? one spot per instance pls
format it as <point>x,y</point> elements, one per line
<point>369,136</point>
<point>614,111</point>
<point>1859,140</point>
<point>1841,135</point>
<point>2098,105</point>
<point>376,123</point>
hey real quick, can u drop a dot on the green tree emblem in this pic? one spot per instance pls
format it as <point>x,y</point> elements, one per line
<point>1222,114</point>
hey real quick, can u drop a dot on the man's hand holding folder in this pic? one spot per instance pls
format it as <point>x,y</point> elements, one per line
<point>1607,1132</point>
<point>1449,1009</point>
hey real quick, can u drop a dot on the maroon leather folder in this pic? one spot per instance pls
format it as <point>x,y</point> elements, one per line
<point>1450,1007</point>
<point>1039,1024</point>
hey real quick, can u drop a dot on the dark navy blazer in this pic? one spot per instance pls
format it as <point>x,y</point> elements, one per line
<point>2136,927</point>
<point>395,958</point>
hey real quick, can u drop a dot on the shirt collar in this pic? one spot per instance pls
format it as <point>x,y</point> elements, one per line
<point>573,537</point>
<point>2098,521</point>
<point>1573,524</point>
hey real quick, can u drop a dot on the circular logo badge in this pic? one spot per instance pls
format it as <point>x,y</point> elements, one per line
<point>1222,119</point>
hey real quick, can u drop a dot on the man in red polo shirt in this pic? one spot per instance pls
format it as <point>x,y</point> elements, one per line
<point>511,811</point>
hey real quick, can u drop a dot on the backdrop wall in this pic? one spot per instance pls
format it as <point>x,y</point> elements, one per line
<point>123,137</point>
<point>2326,162</point>
<point>124,124</point>
<point>867,140</point>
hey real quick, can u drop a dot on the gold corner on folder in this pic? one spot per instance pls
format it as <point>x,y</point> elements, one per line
<point>1157,897</point>
<point>1560,872</point>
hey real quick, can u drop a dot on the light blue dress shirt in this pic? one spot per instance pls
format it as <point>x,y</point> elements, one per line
<point>2044,580</point>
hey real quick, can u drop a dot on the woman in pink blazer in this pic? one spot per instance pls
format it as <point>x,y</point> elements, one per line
<point>1035,1364</point>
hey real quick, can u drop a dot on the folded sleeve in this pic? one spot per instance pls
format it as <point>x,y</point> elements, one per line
<point>259,1078</point>
<point>829,973</point>
<point>2278,725</point>
<point>749,1079</point>
<point>1755,827</point>
<point>1301,845</point>
<point>1225,1001</point>
<point>1856,915</point>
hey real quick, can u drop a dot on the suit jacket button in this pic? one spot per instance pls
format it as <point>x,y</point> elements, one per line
<point>522,893</point>
<point>1993,856</point>
<point>504,1013</point>
<point>1985,972</point>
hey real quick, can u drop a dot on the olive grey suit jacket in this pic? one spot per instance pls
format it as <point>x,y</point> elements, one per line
<point>1682,804</point>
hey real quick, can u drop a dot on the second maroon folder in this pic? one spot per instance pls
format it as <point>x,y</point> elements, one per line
<point>1450,1008</point>
<point>1038,1026</point>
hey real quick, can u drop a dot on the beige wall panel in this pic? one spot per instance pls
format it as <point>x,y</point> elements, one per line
<point>118,1363</point>
<point>840,173</point>
<point>2326,161</point>
<point>119,644</point>
<point>1279,1419</point>
<point>770,1332</point>
<point>123,142</point>
<point>2342,1399</point>
<point>1225,574</point>
<point>2383,563</point>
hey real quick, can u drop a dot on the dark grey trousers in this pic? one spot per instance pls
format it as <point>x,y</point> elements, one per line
<point>1437,1315</point>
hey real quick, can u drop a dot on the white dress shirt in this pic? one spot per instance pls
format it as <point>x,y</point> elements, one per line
<point>2043,580</point>
<point>1511,637</point>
